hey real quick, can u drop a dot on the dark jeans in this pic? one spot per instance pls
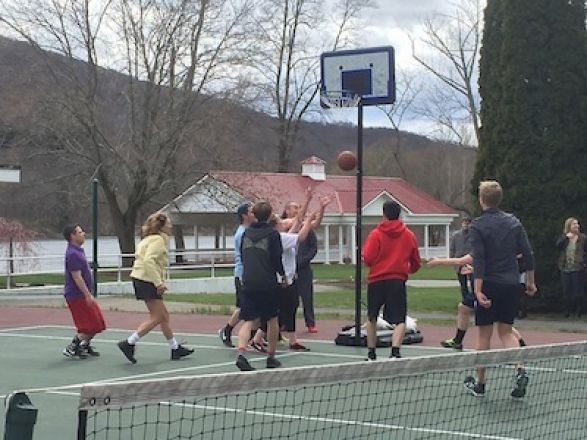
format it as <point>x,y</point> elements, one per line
<point>574,291</point>
<point>305,284</point>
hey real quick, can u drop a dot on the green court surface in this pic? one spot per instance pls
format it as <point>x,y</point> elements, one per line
<point>433,407</point>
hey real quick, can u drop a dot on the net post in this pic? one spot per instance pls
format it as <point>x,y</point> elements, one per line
<point>82,424</point>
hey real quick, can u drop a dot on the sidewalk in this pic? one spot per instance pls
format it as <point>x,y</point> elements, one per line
<point>554,323</point>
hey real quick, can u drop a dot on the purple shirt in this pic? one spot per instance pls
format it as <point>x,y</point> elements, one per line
<point>75,259</point>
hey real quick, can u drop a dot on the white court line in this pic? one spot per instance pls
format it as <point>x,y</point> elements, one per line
<point>159,344</point>
<point>64,393</point>
<point>215,335</point>
<point>58,388</point>
<point>32,327</point>
<point>345,422</point>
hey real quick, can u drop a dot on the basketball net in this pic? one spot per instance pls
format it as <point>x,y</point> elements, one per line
<point>339,99</point>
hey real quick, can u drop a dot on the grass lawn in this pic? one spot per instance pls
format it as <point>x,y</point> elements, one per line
<point>419,299</point>
<point>322,272</point>
<point>346,272</point>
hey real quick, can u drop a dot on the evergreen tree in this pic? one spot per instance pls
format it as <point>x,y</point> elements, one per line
<point>533,85</point>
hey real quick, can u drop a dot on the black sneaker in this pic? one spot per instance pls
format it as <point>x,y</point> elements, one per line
<point>225,337</point>
<point>519,390</point>
<point>243,364</point>
<point>180,351</point>
<point>128,350</point>
<point>273,363</point>
<point>371,356</point>
<point>451,343</point>
<point>476,389</point>
<point>89,350</point>
<point>73,350</point>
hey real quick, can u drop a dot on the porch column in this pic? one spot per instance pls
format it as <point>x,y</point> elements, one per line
<point>196,238</point>
<point>446,240</point>
<point>340,242</point>
<point>223,232</point>
<point>327,244</point>
<point>353,244</point>
<point>426,242</point>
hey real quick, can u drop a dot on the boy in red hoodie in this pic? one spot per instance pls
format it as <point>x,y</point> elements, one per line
<point>391,253</point>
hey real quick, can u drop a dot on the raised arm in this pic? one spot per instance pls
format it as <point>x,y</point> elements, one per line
<point>306,228</point>
<point>297,221</point>
<point>324,202</point>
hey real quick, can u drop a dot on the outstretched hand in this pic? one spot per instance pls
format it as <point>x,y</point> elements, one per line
<point>325,201</point>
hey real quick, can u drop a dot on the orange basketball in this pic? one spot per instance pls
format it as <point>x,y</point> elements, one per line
<point>346,160</point>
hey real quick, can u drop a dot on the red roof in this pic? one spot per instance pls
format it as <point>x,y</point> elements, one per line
<point>279,188</point>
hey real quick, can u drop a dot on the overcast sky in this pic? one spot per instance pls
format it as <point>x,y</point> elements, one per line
<point>389,23</point>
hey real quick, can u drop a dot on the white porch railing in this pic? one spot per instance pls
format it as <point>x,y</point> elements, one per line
<point>210,260</point>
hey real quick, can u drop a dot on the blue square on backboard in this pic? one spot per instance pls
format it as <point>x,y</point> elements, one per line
<point>357,82</point>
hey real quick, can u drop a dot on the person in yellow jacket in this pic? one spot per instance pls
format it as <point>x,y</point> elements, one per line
<point>148,275</point>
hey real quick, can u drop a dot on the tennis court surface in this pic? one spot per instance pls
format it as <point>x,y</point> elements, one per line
<point>328,393</point>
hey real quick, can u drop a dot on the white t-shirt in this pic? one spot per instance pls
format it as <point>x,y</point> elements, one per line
<point>289,242</point>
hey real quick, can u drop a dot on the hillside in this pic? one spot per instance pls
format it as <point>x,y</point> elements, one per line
<point>230,136</point>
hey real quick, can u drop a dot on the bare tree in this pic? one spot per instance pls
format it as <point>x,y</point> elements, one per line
<point>408,89</point>
<point>290,35</point>
<point>449,50</point>
<point>129,130</point>
<point>17,237</point>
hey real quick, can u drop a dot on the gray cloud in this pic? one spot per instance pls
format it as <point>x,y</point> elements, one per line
<point>404,14</point>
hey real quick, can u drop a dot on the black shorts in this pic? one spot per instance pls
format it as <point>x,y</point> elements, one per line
<point>145,290</point>
<point>260,304</point>
<point>238,289</point>
<point>505,301</point>
<point>288,306</point>
<point>392,294</point>
<point>469,300</point>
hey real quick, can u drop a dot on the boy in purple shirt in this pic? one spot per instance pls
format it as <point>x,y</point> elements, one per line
<point>84,309</point>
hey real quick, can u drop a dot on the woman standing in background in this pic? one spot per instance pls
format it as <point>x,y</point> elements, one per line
<point>572,246</point>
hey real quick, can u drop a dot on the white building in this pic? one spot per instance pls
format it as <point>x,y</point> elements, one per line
<point>209,207</point>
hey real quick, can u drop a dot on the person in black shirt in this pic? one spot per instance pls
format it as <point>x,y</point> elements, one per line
<point>496,240</point>
<point>261,252</point>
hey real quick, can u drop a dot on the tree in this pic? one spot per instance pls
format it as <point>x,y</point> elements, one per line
<point>452,43</point>
<point>128,130</point>
<point>17,237</point>
<point>533,139</point>
<point>409,88</point>
<point>290,35</point>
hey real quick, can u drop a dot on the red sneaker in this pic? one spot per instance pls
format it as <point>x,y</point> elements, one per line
<point>312,329</point>
<point>298,347</point>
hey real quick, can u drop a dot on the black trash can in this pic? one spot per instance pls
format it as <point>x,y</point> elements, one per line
<point>21,416</point>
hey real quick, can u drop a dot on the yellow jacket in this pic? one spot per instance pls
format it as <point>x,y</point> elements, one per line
<point>151,259</point>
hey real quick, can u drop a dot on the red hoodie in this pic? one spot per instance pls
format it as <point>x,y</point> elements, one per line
<point>391,252</point>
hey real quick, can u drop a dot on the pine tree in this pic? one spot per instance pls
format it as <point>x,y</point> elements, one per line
<point>533,85</point>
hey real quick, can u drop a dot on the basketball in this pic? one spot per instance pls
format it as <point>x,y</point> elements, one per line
<point>346,161</point>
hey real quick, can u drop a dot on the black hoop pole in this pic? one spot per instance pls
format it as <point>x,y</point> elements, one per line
<point>359,223</point>
<point>95,236</point>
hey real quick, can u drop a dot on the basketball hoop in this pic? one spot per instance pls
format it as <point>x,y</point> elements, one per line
<point>338,99</point>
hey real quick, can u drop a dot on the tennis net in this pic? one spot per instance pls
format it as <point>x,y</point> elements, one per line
<point>408,398</point>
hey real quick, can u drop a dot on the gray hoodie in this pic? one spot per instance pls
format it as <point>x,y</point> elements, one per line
<point>496,239</point>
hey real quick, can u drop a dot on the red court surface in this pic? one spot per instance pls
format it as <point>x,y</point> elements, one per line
<point>18,316</point>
